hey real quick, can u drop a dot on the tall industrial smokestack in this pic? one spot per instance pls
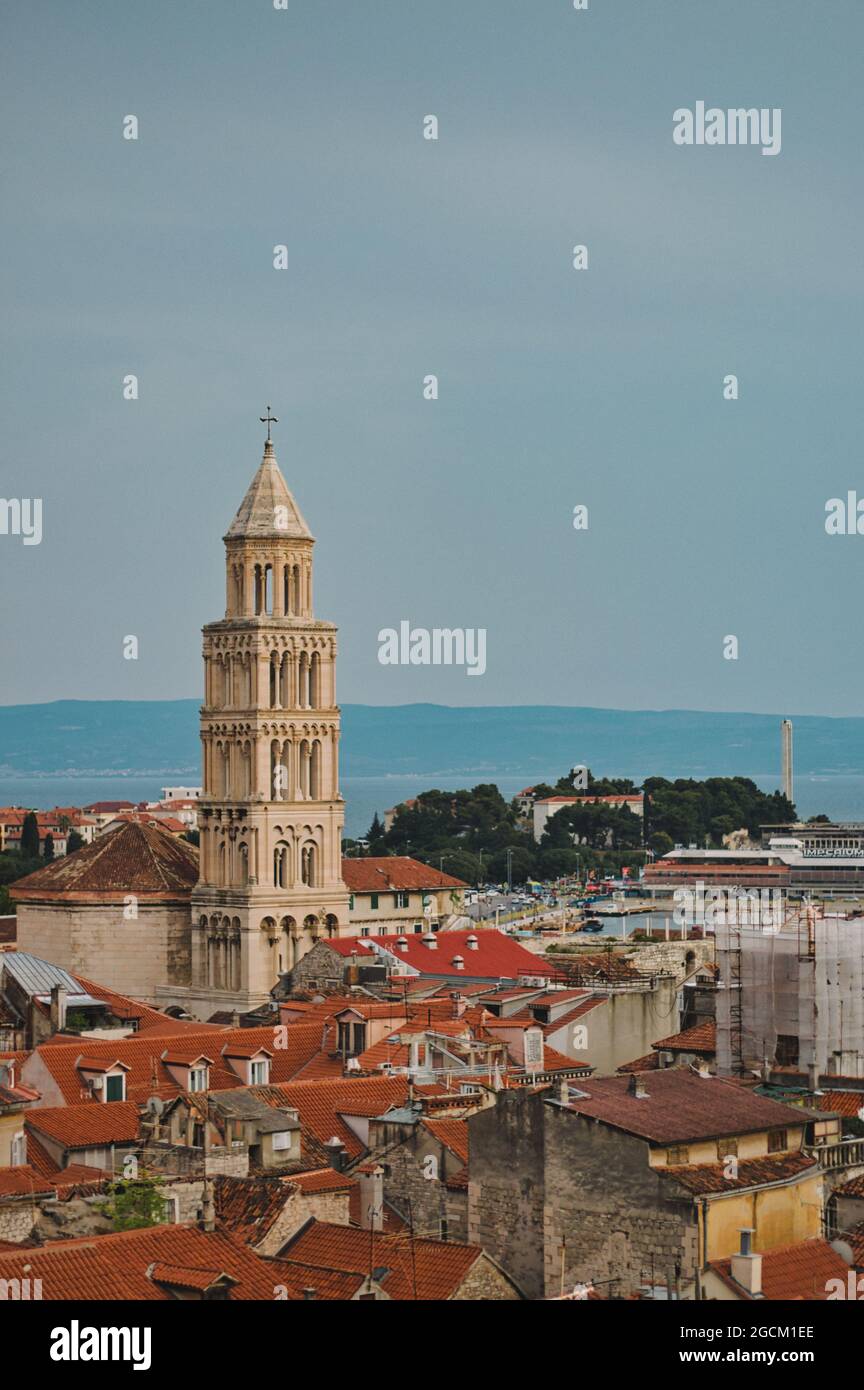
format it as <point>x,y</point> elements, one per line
<point>786,744</point>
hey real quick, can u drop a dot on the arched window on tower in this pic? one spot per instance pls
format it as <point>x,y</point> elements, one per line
<point>246,769</point>
<point>281,876</point>
<point>308,865</point>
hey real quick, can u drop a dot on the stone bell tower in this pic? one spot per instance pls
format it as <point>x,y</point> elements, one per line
<point>270,879</point>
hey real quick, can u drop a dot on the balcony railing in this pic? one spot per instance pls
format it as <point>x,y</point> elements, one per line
<point>849,1153</point>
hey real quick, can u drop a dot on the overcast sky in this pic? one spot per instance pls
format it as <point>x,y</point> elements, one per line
<point>558,387</point>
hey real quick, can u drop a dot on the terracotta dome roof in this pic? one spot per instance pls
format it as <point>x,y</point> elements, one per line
<point>139,859</point>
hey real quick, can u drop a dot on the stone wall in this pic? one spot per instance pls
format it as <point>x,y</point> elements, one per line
<point>17,1220</point>
<point>614,1216</point>
<point>505,1194</point>
<point>433,1209</point>
<point>95,940</point>
<point>558,1200</point>
<point>681,957</point>
<point>319,967</point>
<point>485,1283</point>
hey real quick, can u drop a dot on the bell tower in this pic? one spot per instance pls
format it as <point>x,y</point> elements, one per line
<point>271,815</point>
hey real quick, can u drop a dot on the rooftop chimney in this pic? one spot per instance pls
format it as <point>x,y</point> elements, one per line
<point>208,1207</point>
<point>471,942</point>
<point>309,1294</point>
<point>746,1265</point>
<point>562,1091</point>
<point>402,943</point>
<point>636,1088</point>
<point>372,1197</point>
<point>58,1008</point>
<point>458,962</point>
<point>460,1004</point>
<point>338,1153</point>
<point>430,940</point>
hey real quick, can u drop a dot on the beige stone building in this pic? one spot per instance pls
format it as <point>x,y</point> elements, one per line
<point>270,815</point>
<point>116,911</point>
<point>398,894</point>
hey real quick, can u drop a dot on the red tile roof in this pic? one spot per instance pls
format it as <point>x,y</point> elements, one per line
<point>147,1071</point>
<point>348,945</point>
<point>453,1134</point>
<point>702,1037</point>
<point>705,1178</point>
<point>321,1104</point>
<point>323,1180</point>
<point>496,956</point>
<point>322,1284</point>
<point>649,1063</point>
<point>87,1126</point>
<point>120,1265</point>
<point>392,874</point>
<point>845,1103</point>
<point>799,1271</point>
<point>23,1181</point>
<point>51,1179</point>
<point>146,1018</point>
<point>421,1269</point>
<point>570,800</point>
<point>249,1206</point>
<point>680,1106</point>
<point>143,860</point>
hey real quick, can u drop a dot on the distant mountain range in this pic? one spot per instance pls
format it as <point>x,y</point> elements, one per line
<point>160,737</point>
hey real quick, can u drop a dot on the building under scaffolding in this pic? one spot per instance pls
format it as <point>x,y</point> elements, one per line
<point>792,995</point>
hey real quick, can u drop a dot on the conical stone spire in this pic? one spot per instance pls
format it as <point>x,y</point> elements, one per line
<point>268,509</point>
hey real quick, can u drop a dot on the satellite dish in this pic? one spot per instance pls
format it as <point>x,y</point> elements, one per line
<point>155,1105</point>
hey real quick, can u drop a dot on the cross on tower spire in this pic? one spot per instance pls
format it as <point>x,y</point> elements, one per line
<point>268,420</point>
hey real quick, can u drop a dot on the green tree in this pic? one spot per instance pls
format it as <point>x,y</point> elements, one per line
<point>521,868</point>
<point>74,841</point>
<point>134,1203</point>
<point>30,836</point>
<point>558,863</point>
<point>660,842</point>
<point>49,847</point>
